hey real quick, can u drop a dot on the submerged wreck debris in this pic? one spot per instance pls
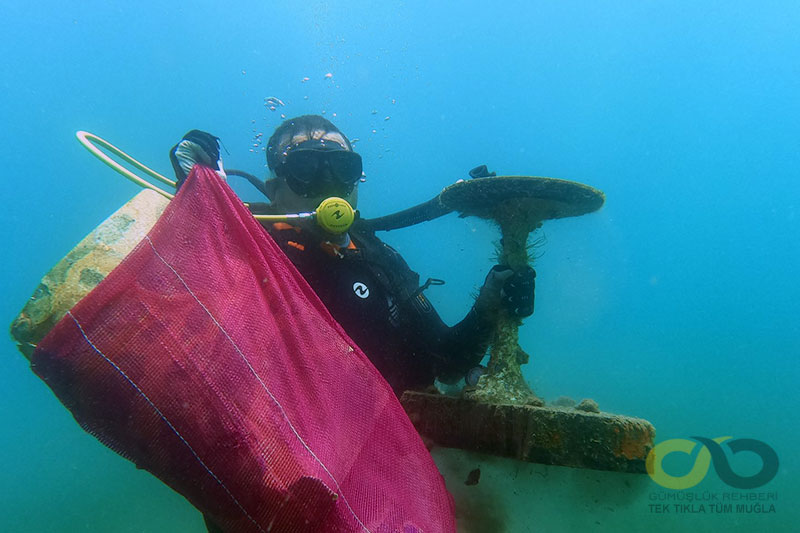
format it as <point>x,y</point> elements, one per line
<point>473,477</point>
<point>588,405</point>
<point>499,414</point>
<point>518,205</point>
<point>85,267</point>
<point>552,436</point>
<point>563,401</point>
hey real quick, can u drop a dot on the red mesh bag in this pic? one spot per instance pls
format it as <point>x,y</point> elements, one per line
<point>206,359</point>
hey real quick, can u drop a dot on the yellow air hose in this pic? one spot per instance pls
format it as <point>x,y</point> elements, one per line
<point>334,215</point>
<point>87,139</point>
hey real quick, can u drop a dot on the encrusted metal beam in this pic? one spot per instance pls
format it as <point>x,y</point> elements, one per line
<point>546,435</point>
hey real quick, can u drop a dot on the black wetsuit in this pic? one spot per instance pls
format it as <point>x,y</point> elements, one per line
<point>370,290</point>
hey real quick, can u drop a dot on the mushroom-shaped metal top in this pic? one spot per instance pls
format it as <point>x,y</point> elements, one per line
<point>519,205</point>
<point>539,198</point>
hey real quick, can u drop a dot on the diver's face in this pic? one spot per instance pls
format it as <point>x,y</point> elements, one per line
<point>316,167</point>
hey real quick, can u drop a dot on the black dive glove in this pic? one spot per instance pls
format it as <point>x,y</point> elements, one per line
<point>196,147</point>
<point>512,290</point>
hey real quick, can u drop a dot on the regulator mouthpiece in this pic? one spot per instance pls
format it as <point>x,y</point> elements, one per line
<point>335,215</point>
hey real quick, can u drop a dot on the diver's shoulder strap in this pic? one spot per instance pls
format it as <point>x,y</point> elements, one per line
<point>393,271</point>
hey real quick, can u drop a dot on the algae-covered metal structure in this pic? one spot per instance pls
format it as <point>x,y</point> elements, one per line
<point>501,415</point>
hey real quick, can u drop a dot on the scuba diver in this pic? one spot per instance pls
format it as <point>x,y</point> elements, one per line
<point>365,284</point>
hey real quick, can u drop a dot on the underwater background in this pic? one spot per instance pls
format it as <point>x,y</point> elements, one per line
<point>677,302</point>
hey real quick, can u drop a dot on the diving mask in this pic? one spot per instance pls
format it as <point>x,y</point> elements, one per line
<point>314,168</point>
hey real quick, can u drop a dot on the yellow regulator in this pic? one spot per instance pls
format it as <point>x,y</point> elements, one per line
<point>335,215</point>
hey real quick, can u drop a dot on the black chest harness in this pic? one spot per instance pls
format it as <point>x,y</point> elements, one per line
<point>360,266</point>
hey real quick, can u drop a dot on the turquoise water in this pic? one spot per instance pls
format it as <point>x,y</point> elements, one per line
<point>678,302</point>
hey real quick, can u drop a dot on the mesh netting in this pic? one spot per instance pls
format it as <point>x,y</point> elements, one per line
<point>206,359</point>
